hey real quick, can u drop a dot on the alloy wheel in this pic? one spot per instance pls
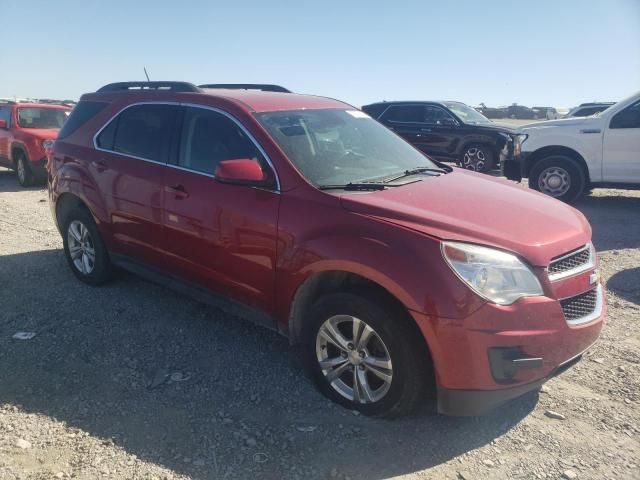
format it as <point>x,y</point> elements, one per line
<point>554,181</point>
<point>353,359</point>
<point>81,247</point>
<point>21,171</point>
<point>474,159</point>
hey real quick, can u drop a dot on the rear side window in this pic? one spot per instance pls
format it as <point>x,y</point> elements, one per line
<point>82,113</point>
<point>405,113</point>
<point>142,131</point>
<point>209,137</point>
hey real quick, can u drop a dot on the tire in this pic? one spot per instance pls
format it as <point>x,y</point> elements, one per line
<point>23,170</point>
<point>90,261</point>
<point>558,176</point>
<point>391,342</point>
<point>478,158</point>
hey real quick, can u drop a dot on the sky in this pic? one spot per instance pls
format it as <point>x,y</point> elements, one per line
<point>535,53</point>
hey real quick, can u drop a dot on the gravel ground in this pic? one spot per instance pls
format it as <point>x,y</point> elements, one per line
<point>134,381</point>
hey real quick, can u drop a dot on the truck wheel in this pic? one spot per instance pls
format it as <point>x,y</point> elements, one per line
<point>478,158</point>
<point>558,176</point>
<point>23,170</point>
<point>363,355</point>
<point>84,249</point>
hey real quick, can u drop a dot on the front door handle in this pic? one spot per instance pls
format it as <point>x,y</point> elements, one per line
<point>178,190</point>
<point>425,129</point>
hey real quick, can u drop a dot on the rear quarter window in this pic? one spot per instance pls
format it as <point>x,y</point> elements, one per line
<point>81,114</point>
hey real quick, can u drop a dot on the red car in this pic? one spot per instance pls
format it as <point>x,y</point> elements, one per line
<point>306,215</point>
<point>26,129</point>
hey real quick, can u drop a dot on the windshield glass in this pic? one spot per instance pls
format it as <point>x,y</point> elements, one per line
<point>35,117</point>
<point>466,113</point>
<point>332,146</point>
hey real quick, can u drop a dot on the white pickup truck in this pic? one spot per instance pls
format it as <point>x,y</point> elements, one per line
<point>564,158</point>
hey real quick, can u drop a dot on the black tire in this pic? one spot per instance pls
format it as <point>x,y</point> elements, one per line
<point>101,270</point>
<point>23,170</point>
<point>560,169</point>
<point>411,376</point>
<point>478,158</point>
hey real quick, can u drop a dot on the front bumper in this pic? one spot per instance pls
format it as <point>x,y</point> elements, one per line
<point>514,167</point>
<point>500,352</point>
<point>39,169</point>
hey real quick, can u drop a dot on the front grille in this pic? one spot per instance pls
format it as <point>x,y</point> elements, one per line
<point>580,306</point>
<point>570,263</point>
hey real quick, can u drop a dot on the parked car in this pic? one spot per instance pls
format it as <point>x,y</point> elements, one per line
<point>566,157</point>
<point>521,112</point>
<point>588,109</point>
<point>492,112</point>
<point>25,131</point>
<point>304,214</point>
<point>549,113</point>
<point>448,131</point>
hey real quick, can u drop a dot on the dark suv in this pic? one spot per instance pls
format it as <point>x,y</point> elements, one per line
<point>308,216</point>
<point>448,131</point>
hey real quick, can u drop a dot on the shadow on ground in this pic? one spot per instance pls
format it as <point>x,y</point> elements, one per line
<point>9,182</point>
<point>626,284</point>
<point>238,394</point>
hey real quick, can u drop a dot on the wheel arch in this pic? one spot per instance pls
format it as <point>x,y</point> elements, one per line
<point>547,151</point>
<point>15,148</point>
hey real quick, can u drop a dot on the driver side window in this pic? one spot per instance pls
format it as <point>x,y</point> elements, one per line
<point>627,118</point>
<point>437,116</point>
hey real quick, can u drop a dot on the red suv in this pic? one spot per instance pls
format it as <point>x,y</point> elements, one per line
<point>306,215</point>
<point>26,129</point>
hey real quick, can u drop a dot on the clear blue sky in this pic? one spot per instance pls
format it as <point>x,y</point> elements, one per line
<point>543,52</point>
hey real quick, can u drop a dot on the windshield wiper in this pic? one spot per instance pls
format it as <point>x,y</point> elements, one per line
<point>362,186</point>
<point>417,170</point>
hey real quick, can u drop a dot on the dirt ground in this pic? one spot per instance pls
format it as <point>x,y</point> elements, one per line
<point>135,381</point>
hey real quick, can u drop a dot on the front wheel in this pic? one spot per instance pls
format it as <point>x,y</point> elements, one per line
<point>364,356</point>
<point>478,158</point>
<point>558,176</point>
<point>23,171</point>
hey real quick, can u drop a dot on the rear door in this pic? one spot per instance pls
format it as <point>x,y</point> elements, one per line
<point>407,121</point>
<point>440,132</point>
<point>621,147</point>
<point>131,157</point>
<point>220,235</point>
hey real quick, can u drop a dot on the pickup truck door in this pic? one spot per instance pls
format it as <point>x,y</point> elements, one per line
<point>621,147</point>
<point>5,114</point>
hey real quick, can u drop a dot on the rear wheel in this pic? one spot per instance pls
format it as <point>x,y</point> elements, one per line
<point>478,158</point>
<point>83,246</point>
<point>23,170</point>
<point>558,176</point>
<point>363,355</point>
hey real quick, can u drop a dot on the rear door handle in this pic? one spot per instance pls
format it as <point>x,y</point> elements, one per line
<point>178,190</point>
<point>99,166</point>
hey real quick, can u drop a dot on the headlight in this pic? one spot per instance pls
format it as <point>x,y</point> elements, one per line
<point>47,143</point>
<point>518,140</point>
<point>497,276</point>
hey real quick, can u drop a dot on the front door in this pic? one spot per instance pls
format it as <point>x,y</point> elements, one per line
<point>621,147</point>
<point>220,235</point>
<point>5,114</point>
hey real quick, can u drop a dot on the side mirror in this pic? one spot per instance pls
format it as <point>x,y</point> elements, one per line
<point>3,124</point>
<point>242,171</point>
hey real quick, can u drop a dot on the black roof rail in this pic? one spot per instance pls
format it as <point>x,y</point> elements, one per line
<point>265,87</point>
<point>171,86</point>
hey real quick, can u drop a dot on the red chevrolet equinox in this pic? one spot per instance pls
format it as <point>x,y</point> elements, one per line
<point>304,214</point>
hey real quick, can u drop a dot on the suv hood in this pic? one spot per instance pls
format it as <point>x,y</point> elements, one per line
<point>42,133</point>
<point>472,207</point>
<point>562,122</point>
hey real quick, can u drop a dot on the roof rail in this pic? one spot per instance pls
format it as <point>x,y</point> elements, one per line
<point>171,86</point>
<point>265,87</point>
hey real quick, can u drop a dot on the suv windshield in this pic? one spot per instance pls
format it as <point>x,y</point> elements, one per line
<point>35,117</point>
<point>466,113</point>
<point>332,146</point>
